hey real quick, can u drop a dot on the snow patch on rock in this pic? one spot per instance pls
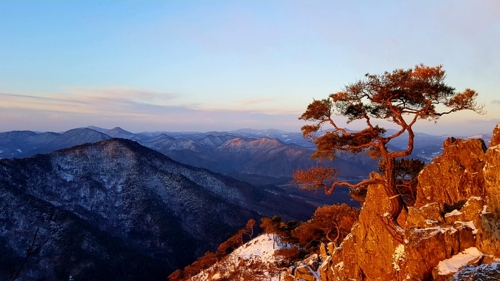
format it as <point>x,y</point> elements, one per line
<point>398,256</point>
<point>453,213</point>
<point>459,261</point>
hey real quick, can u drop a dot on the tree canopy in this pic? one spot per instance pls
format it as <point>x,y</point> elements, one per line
<point>401,97</point>
<point>329,223</point>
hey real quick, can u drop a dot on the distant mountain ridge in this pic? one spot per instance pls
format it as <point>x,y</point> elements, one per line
<point>18,144</point>
<point>262,160</point>
<point>258,156</point>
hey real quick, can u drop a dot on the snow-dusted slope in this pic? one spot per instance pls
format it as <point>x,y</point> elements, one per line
<point>152,208</point>
<point>255,260</point>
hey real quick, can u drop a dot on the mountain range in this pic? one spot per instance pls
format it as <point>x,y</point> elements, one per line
<point>118,208</point>
<point>260,157</point>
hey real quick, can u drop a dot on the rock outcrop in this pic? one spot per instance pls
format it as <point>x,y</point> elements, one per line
<point>454,176</point>
<point>455,218</point>
<point>495,139</point>
<point>489,232</point>
<point>369,247</point>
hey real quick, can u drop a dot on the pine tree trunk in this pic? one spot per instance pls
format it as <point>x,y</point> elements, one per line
<point>396,201</point>
<point>391,190</point>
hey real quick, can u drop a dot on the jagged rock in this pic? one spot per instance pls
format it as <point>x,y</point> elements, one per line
<point>454,176</point>
<point>488,235</point>
<point>432,211</point>
<point>372,237</point>
<point>469,212</point>
<point>365,253</point>
<point>492,176</point>
<point>342,265</point>
<point>495,139</point>
<point>484,272</point>
<point>472,209</point>
<point>453,216</point>
<point>307,269</point>
<point>489,232</point>
<point>428,246</point>
<point>323,252</point>
<point>313,261</point>
<point>417,219</point>
<point>331,247</point>
<point>426,216</point>
<point>438,226</point>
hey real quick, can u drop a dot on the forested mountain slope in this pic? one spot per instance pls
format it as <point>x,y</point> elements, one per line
<point>116,208</point>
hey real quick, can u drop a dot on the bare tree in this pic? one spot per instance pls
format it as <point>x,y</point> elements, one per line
<point>32,249</point>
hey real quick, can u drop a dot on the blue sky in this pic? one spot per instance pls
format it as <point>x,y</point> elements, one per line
<point>222,65</point>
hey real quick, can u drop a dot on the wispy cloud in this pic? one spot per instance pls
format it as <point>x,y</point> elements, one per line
<point>132,109</point>
<point>122,93</point>
<point>6,97</point>
<point>253,101</point>
<point>139,110</point>
<point>105,101</point>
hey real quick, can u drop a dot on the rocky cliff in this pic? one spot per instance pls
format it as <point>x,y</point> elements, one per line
<point>451,233</point>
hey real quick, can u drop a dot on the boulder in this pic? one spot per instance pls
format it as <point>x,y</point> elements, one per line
<point>484,272</point>
<point>432,214</point>
<point>323,254</point>
<point>330,247</point>
<point>488,235</point>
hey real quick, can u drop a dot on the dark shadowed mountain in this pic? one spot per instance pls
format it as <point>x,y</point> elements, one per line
<point>18,144</point>
<point>118,210</point>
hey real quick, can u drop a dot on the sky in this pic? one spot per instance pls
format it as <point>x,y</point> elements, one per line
<point>225,65</point>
